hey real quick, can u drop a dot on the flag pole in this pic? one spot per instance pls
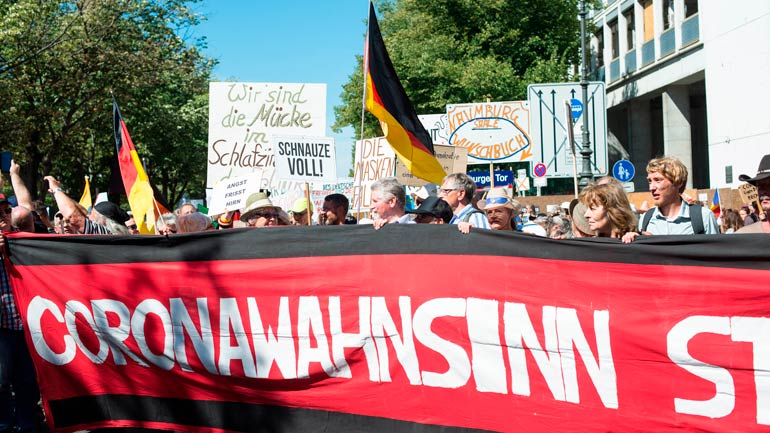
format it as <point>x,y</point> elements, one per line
<point>363,113</point>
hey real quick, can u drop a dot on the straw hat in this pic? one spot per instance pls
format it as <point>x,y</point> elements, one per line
<point>496,197</point>
<point>255,202</point>
<point>577,211</point>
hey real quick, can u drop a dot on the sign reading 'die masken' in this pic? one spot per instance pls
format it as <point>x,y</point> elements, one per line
<point>309,159</point>
<point>491,131</point>
<point>243,117</point>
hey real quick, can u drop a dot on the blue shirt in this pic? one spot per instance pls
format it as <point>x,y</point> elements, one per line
<point>681,224</point>
<point>478,219</point>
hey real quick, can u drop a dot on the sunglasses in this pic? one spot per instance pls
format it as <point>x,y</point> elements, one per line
<point>133,227</point>
<point>266,215</point>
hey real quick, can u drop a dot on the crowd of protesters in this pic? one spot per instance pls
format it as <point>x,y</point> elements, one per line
<point>601,210</point>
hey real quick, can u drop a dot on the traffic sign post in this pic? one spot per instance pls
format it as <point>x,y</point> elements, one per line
<point>623,170</point>
<point>549,131</point>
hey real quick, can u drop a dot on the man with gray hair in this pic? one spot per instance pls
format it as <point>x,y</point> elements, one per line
<point>389,202</point>
<point>458,189</point>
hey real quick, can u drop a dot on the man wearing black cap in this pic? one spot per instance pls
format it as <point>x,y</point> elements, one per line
<point>75,217</point>
<point>762,182</point>
<point>432,210</point>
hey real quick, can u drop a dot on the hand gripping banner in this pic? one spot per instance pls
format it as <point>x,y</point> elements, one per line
<point>409,328</point>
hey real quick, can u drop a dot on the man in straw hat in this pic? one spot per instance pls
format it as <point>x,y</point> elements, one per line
<point>260,211</point>
<point>762,182</point>
<point>500,209</point>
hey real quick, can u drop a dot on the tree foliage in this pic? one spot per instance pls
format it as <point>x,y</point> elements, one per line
<point>60,62</point>
<point>460,51</point>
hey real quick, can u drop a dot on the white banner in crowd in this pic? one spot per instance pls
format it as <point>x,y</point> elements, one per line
<point>491,131</point>
<point>243,117</point>
<point>307,159</point>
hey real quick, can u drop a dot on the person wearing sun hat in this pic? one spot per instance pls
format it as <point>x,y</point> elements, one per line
<point>500,209</point>
<point>762,182</point>
<point>260,211</point>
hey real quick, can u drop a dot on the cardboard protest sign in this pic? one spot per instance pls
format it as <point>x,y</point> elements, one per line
<point>231,194</point>
<point>308,159</point>
<point>748,193</point>
<point>491,131</point>
<point>243,117</point>
<point>374,160</point>
<point>453,160</point>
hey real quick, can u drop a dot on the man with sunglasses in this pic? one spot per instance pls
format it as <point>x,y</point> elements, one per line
<point>762,182</point>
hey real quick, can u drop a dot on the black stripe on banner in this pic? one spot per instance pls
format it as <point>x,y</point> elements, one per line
<point>731,251</point>
<point>233,416</point>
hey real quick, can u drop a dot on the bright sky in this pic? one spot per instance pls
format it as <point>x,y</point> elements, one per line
<point>300,41</point>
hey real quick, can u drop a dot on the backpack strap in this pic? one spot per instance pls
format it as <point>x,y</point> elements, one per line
<point>467,217</point>
<point>646,219</point>
<point>696,218</point>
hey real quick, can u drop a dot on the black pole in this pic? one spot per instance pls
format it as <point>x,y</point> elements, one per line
<point>586,174</point>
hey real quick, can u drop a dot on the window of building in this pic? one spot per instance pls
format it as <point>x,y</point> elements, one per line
<point>614,48</point>
<point>649,20</point>
<point>668,14</point>
<point>630,29</point>
<point>690,8</point>
<point>599,49</point>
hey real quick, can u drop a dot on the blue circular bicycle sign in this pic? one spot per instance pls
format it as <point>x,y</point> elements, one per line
<point>623,170</point>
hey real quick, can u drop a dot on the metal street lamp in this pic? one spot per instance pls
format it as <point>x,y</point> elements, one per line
<point>586,174</point>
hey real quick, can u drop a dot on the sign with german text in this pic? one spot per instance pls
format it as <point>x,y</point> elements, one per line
<point>348,329</point>
<point>308,159</point>
<point>452,159</point>
<point>374,159</point>
<point>231,194</point>
<point>243,117</point>
<point>491,131</point>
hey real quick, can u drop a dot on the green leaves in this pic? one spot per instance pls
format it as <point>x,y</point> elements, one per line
<point>458,51</point>
<point>61,60</point>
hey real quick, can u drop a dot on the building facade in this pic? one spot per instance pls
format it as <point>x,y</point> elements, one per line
<point>687,78</point>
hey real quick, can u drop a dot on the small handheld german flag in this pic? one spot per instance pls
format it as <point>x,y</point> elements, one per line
<point>387,100</point>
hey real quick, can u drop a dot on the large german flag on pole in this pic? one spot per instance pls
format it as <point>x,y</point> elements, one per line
<point>135,180</point>
<point>387,100</point>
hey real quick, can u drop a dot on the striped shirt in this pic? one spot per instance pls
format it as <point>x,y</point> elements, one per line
<point>9,315</point>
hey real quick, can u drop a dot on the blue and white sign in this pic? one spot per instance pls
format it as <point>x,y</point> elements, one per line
<point>577,108</point>
<point>502,178</point>
<point>623,170</point>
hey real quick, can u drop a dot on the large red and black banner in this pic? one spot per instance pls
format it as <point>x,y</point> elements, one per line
<point>408,328</point>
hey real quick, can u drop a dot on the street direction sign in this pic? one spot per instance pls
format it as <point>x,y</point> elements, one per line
<point>623,170</point>
<point>548,130</point>
<point>540,169</point>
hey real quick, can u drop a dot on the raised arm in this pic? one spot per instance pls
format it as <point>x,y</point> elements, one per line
<point>19,187</point>
<point>66,205</point>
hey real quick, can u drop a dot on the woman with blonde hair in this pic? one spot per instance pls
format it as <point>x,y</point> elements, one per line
<point>608,210</point>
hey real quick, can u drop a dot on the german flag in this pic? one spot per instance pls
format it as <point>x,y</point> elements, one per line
<point>387,100</point>
<point>135,180</point>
